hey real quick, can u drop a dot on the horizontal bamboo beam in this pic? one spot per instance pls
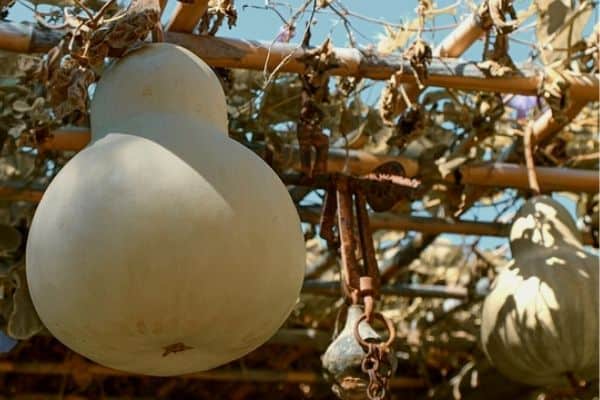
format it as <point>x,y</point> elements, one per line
<point>429,225</point>
<point>20,194</point>
<point>185,17</point>
<point>385,221</point>
<point>246,54</point>
<point>66,139</point>
<point>448,72</point>
<point>515,176</point>
<point>26,38</point>
<point>332,288</point>
<point>222,375</point>
<point>359,162</point>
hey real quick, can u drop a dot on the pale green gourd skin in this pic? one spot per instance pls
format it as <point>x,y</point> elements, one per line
<point>540,320</point>
<point>137,245</point>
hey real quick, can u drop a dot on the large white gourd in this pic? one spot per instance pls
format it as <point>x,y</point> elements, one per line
<point>540,321</point>
<point>171,255</point>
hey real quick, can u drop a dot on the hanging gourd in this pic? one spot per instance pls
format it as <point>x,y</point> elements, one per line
<point>345,364</point>
<point>164,247</point>
<point>540,321</point>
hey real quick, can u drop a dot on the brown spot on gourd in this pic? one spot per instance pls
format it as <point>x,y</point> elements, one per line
<point>175,348</point>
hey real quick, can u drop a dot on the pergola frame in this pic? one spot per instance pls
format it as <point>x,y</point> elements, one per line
<point>449,72</point>
<point>445,71</point>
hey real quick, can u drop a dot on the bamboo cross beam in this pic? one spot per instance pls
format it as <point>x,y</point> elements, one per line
<point>245,54</point>
<point>515,176</point>
<point>443,72</point>
<point>27,38</point>
<point>221,374</point>
<point>546,126</point>
<point>387,221</point>
<point>360,162</point>
<point>332,288</point>
<point>429,225</point>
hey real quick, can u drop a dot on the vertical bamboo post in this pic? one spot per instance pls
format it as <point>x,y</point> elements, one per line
<point>185,17</point>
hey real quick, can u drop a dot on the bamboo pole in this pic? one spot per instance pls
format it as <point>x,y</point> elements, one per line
<point>17,194</point>
<point>185,17</point>
<point>515,176</point>
<point>386,221</point>
<point>450,73</point>
<point>429,225</point>
<point>359,162</point>
<point>462,37</point>
<point>222,375</point>
<point>546,126</point>
<point>332,288</point>
<point>244,54</point>
<point>26,38</point>
<point>66,139</point>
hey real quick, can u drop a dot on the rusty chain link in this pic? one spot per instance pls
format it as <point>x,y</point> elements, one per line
<point>376,363</point>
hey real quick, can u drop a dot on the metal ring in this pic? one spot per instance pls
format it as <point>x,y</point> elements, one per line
<point>388,324</point>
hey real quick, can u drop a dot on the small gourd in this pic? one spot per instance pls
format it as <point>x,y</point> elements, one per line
<point>540,321</point>
<point>164,247</point>
<point>342,361</point>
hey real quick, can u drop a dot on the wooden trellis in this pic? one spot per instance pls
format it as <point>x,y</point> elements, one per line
<point>446,70</point>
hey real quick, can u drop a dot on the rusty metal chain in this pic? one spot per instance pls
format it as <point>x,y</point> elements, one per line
<point>345,205</point>
<point>347,198</point>
<point>376,363</point>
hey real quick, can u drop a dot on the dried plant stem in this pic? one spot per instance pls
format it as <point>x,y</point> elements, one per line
<point>529,161</point>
